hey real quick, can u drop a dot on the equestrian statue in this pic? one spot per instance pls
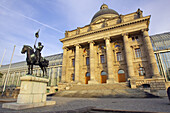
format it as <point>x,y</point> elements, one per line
<point>35,58</point>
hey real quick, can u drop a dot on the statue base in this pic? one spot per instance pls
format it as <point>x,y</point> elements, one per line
<point>32,94</point>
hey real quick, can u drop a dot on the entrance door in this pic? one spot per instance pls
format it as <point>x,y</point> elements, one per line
<point>121,76</point>
<point>87,77</point>
<point>103,77</point>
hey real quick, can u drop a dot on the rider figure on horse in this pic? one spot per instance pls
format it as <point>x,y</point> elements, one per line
<point>38,52</point>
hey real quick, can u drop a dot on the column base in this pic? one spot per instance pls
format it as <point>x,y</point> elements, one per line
<point>92,82</point>
<point>111,81</point>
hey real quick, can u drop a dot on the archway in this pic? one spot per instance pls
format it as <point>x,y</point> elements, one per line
<point>121,76</point>
<point>103,77</point>
<point>87,77</point>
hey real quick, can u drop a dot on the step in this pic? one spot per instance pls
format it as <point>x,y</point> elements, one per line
<point>99,86</point>
<point>115,93</point>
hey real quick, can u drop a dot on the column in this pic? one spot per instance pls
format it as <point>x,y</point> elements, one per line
<point>18,79</point>
<point>150,55</point>
<point>38,72</point>
<point>92,64</point>
<point>58,75</point>
<point>53,80</point>
<point>64,64</point>
<point>49,76</point>
<point>3,80</point>
<point>128,56</point>
<point>111,78</point>
<point>77,63</point>
<point>13,79</point>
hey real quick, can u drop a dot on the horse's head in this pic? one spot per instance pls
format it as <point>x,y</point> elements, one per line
<point>24,49</point>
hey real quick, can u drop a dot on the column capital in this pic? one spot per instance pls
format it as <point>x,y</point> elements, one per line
<point>65,48</point>
<point>146,29</point>
<point>91,42</point>
<point>107,38</point>
<point>145,32</point>
<point>77,45</point>
<point>124,34</point>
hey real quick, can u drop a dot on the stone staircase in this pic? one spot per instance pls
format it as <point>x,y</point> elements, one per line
<point>117,90</point>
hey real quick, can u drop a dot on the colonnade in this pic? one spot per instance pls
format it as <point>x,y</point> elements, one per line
<point>13,78</point>
<point>109,53</point>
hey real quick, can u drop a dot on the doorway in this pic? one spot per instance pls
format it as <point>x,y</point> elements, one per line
<point>121,76</point>
<point>87,77</point>
<point>103,77</point>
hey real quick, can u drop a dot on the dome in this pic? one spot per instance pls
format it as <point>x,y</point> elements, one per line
<point>104,12</point>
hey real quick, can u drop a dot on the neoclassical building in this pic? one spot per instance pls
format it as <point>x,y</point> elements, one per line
<point>113,48</point>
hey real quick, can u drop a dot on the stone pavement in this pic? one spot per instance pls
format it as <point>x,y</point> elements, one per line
<point>131,104</point>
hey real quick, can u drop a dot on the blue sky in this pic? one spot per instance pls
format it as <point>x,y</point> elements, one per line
<point>20,19</point>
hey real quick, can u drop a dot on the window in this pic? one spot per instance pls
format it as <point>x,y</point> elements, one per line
<point>72,77</point>
<point>119,56</point>
<point>141,71</point>
<point>103,73</point>
<point>121,71</point>
<point>102,59</point>
<point>87,61</point>
<point>135,38</point>
<point>138,53</point>
<point>73,62</point>
<point>87,74</point>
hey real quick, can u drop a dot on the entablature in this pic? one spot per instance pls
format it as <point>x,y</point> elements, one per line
<point>109,32</point>
<point>139,20</point>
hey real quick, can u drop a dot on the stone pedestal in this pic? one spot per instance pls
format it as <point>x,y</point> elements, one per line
<point>32,94</point>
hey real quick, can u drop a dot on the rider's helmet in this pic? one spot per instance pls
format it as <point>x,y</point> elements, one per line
<point>39,43</point>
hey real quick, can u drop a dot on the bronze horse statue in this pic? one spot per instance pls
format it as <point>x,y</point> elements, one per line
<point>31,60</point>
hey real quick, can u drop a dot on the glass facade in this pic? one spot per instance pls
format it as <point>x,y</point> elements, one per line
<point>161,47</point>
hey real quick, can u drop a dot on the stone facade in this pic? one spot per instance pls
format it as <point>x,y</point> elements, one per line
<point>113,48</point>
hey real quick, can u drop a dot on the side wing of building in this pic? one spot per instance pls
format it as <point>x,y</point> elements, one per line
<point>19,69</point>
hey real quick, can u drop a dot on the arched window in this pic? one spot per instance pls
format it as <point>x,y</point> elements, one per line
<point>87,74</point>
<point>103,73</point>
<point>141,71</point>
<point>121,71</point>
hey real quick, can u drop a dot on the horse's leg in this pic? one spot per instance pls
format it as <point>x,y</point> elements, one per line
<point>28,69</point>
<point>31,69</point>
<point>45,71</point>
<point>42,69</point>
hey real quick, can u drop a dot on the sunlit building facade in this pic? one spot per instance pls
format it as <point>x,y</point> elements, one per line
<point>113,48</point>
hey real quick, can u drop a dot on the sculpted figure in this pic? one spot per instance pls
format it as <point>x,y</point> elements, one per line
<point>35,58</point>
<point>38,52</point>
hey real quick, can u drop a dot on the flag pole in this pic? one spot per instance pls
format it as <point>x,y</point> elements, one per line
<point>3,57</point>
<point>8,71</point>
<point>37,35</point>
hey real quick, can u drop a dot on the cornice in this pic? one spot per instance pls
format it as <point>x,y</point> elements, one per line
<point>107,28</point>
